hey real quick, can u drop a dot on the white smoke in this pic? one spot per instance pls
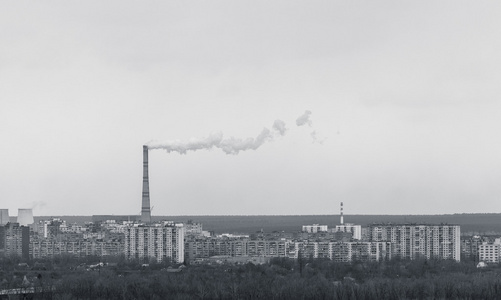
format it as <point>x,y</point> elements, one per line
<point>316,137</point>
<point>38,205</point>
<point>304,119</point>
<point>192,144</point>
<point>279,126</point>
<point>230,145</point>
<point>235,145</point>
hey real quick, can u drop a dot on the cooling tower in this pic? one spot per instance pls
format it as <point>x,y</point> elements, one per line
<point>145,205</point>
<point>25,216</point>
<point>4,216</point>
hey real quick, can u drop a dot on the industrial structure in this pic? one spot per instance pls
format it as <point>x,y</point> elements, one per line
<point>14,240</point>
<point>15,237</point>
<point>355,230</point>
<point>25,216</point>
<point>349,228</point>
<point>341,211</point>
<point>4,216</point>
<point>145,204</point>
<point>138,238</point>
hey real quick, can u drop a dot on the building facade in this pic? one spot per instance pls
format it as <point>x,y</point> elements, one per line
<point>43,248</point>
<point>15,240</point>
<point>490,252</point>
<point>412,241</point>
<point>159,242</point>
<point>193,228</point>
<point>470,246</point>
<point>338,251</point>
<point>344,251</point>
<point>315,228</point>
<point>355,230</point>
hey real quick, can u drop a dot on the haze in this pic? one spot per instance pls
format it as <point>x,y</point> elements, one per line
<point>404,97</point>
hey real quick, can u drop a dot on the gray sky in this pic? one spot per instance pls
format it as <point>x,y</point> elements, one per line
<point>404,95</point>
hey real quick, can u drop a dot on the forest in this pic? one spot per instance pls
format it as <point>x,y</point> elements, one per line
<point>281,278</point>
<point>470,223</point>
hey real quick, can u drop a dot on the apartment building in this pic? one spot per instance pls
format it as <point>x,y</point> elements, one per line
<point>314,228</point>
<point>14,240</point>
<point>345,251</point>
<point>207,247</point>
<point>158,241</point>
<point>490,252</point>
<point>43,248</point>
<point>411,241</point>
<point>355,230</point>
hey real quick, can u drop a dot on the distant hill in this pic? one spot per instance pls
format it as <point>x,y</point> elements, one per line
<point>470,223</point>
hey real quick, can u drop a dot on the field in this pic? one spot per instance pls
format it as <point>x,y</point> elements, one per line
<point>470,223</point>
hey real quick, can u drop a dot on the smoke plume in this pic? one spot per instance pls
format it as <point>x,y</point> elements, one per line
<point>192,144</point>
<point>230,145</point>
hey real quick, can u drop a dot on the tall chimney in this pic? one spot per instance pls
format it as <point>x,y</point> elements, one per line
<point>342,221</point>
<point>145,206</point>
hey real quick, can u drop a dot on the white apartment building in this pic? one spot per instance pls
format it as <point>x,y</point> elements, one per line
<point>411,241</point>
<point>356,230</point>
<point>314,228</point>
<point>490,252</point>
<point>160,241</point>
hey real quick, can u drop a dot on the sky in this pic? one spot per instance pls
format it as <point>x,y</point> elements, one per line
<point>403,95</point>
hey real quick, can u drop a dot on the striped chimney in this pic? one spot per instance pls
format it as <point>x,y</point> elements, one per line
<point>342,221</point>
<point>145,205</point>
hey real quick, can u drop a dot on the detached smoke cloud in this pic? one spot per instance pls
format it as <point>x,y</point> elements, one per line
<point>230,145</point>
<point>304,119</point>
<point>314,136</point>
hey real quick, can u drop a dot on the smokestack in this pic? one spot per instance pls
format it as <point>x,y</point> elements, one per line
<point>25,216</point>
<point>342,221</point>
<point>4,216</point>
<point>145,206</point>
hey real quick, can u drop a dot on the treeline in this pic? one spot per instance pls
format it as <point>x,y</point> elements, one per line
<point>279,279</point>
<point>470,223</point>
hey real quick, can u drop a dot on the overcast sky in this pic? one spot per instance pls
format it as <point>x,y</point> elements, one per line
<point>404,99</point>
